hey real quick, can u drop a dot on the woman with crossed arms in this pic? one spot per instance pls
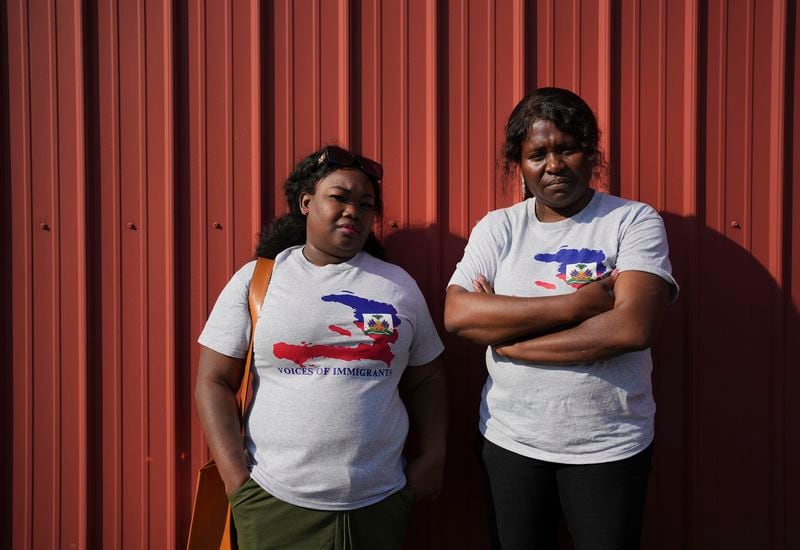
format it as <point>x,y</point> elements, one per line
<point>567,290</point>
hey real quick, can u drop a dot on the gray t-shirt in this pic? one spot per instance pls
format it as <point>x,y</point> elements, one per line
<point>581,413</point>
<point>326,428</point>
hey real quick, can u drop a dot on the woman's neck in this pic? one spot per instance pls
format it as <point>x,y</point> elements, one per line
<point>547,214</point>
<point>320,258</point>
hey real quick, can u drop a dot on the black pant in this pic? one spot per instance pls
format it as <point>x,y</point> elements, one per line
<point>603,503</point>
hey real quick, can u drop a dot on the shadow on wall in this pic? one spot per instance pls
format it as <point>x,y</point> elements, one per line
<point>457,518</point>
<point>723,456</point>
<point>6,359</point>
<point>723,453</point>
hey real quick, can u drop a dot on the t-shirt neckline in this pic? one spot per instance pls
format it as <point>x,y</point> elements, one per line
<point>298,256</point>
<point>530,206</point>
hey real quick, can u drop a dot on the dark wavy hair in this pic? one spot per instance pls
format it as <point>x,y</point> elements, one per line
<point>290,229</point>
<point>567,111</point>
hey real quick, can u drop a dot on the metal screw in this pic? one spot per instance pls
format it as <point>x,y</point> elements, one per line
<point>44,226</point>
<point>217,225</point>
<point>393,224</point>
<point>735,225</point>
<point>132,226</point>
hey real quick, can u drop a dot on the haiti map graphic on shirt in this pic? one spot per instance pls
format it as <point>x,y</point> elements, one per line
<point>377,320</point>
<point>576,267</point>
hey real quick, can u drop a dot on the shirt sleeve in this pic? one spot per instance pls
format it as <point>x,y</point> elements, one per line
<point>482,254</point>
<point>227,330</point>
<point>644,247</point>
<point>426,344</point>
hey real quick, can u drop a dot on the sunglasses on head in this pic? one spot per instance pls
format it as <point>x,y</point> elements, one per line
<point>336,156</point>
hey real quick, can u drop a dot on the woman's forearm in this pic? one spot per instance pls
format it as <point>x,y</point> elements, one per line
<point>631,326</point>
<point>427,408</point>
<point>492,318</point>
<point>487,318</point>
<point>219,417</point>
<point>593,340</point>
<point>425,396</point>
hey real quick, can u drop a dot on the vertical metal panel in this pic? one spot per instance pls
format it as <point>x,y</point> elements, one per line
<point>21,274</point>
<point>49,435</point>
<point>146,142</point>
<point>72,395</point>
<point>132,312</point>
<point>789,246</point>
<point>279,126</point>
<point>161,456</point>
<point>44,163</point>
<point>738,35</point>
<point>219,203</point>
<point>195,301</point>
<point>106,223</point>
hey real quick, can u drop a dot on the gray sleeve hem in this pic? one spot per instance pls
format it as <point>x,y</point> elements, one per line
<point>427,358</point>
<point>221,347</point>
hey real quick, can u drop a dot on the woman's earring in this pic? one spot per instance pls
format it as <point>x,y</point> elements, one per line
<point>304,211</point>
<point>522,188</point>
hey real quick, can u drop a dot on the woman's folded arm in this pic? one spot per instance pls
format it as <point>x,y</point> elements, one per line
<point>488,319</point>
<point>631,325</point>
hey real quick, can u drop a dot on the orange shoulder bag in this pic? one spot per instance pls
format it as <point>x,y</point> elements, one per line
<point>212,519</point>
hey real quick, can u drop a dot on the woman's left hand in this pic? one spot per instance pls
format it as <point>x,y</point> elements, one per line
<point>424,475</point>
<point>481,285</point>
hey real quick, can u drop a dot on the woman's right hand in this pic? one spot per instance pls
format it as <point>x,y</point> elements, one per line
<point>595,298</point>
<point>235,481</point>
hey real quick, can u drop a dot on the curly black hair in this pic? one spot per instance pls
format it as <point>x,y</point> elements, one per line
<point>563,108</point>
<point>290,229</point>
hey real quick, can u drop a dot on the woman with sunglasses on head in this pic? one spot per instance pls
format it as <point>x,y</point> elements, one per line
<point>567,289</point>
<point>341,331</point>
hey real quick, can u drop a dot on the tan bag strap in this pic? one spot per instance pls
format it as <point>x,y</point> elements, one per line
<point>255,299</point>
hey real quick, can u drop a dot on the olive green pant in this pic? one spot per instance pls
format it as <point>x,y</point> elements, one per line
<point>266,522</point>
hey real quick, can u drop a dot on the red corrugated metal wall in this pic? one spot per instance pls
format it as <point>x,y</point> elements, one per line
<point>144,143</point>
